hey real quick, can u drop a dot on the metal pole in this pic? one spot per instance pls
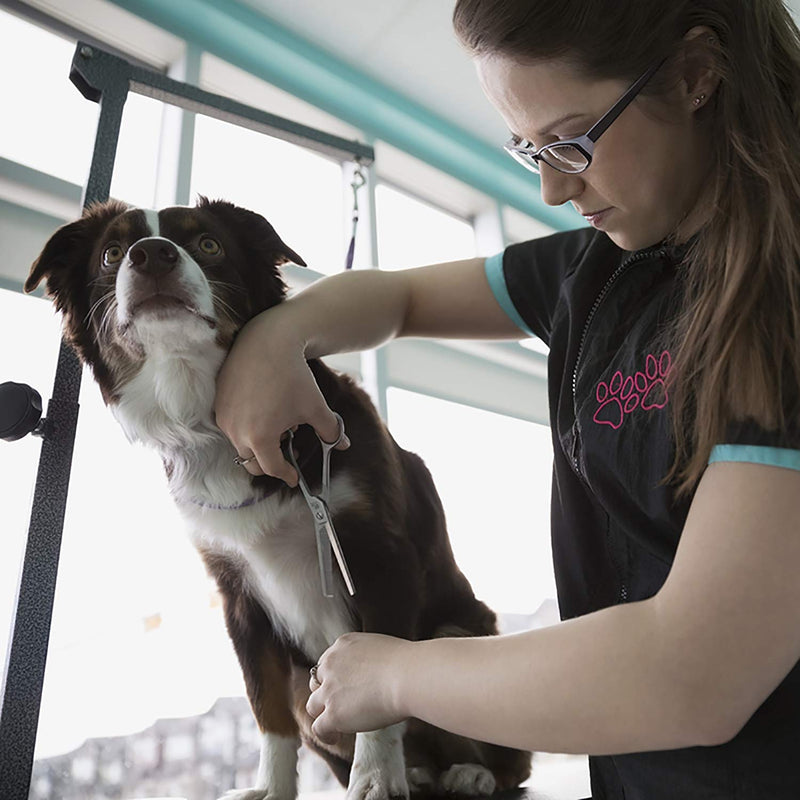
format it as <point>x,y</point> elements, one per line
<point>23,676</point>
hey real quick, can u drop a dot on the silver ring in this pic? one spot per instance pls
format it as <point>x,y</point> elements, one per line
<point>240,462</point>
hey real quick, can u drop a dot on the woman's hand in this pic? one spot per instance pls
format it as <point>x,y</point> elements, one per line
<point>264,389</point>
<point>355,686</point>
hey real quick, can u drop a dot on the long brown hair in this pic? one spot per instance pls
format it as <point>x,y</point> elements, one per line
<point>737,335</point>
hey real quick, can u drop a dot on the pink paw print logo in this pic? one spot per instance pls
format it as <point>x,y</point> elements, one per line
<point>622,395</point>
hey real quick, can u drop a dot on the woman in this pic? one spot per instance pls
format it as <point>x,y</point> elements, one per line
<point>674,331</point>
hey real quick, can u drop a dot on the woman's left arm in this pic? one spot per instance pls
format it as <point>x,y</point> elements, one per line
<point>686,667</point>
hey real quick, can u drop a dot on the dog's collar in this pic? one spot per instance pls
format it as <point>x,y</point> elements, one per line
<point>265,486</point>
<point>250,501</point>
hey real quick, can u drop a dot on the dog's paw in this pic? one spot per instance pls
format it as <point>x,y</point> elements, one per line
<point>252,794</point>
<point>420,779</point>
<point>468,779</point>
<point>378,784</point>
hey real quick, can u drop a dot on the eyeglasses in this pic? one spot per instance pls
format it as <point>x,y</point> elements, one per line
<point>574,155</point>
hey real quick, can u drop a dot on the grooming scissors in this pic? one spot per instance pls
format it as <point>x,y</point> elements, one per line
<point>327,540</point>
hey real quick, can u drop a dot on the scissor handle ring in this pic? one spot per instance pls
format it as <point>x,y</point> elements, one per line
<point>340,437</point>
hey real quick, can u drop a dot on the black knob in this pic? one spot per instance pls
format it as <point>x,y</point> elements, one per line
<point>20,410</point>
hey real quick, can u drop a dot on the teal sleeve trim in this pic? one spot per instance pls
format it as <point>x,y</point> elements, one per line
<point>756,454</point>
<point>497,283</point>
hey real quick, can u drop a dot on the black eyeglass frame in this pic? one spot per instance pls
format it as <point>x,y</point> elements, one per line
<point>530,157</point>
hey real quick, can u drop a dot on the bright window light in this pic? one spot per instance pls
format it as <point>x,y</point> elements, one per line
<point>493,474</point>
<point>536,345</point>
<point>136,164</point>
<point>34,364</point>
<point>299,192</point>
<point>46,123</point>
<point>412,233</point>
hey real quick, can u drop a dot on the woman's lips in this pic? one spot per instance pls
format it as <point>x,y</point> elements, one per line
<point>596,218</point>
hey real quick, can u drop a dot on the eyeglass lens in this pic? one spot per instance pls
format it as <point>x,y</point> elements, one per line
<point>565,158</point>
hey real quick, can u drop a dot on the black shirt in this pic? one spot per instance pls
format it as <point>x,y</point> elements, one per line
<point>604,313</point>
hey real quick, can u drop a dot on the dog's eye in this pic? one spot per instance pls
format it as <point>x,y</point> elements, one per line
<point>113,254</point>
<point>210,246</point>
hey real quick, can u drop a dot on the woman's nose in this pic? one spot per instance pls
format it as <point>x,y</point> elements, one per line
<point>559,187</point>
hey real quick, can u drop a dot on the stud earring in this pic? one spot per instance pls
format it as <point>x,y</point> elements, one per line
<point>698,100</point>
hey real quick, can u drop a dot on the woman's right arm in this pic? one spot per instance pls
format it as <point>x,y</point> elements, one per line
<point>265,387</point>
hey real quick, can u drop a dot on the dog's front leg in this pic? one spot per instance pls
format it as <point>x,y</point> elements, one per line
<point>266,669</point>
<point>379,770</point>
<point>387,601</point>
<point>277,771</point>
<point>265,665</point>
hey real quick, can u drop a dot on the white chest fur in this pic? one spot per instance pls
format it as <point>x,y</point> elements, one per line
<point>168,405</point>
<point>275,543</point>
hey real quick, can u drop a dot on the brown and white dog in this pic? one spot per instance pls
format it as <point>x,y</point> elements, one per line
<point>152,301</point>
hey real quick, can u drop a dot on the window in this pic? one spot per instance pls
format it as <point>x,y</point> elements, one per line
<point>136,164</point>
<point>493,475</point>
<point>38,102</point>
<point>299,192</point>
<point>41,101</point>
<point>412,233</point>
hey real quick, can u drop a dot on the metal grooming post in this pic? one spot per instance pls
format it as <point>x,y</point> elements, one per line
<point>105,79</point>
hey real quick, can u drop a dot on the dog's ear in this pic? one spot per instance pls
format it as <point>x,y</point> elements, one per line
<point>64,259</point>
<point>254,228</point>
<point>65,265</point>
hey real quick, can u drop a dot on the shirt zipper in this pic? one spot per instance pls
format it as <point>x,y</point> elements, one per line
<point>623,267</point>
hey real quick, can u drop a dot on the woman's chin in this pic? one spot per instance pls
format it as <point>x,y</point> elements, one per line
<point>634,240</point>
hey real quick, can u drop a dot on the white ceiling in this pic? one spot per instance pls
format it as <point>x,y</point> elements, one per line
<point>407,45</point>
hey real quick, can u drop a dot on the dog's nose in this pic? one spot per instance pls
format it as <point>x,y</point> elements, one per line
<point>153,256</point>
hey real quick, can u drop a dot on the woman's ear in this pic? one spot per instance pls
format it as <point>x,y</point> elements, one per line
<point>700,77</point>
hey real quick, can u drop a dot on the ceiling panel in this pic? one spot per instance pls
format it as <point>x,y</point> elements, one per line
<point>121,29</point>
<point>407,45</point>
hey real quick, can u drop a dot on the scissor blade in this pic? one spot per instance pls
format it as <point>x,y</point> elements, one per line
<point>325,560</point>
<point>340,560</point>
<point>327,539</point>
